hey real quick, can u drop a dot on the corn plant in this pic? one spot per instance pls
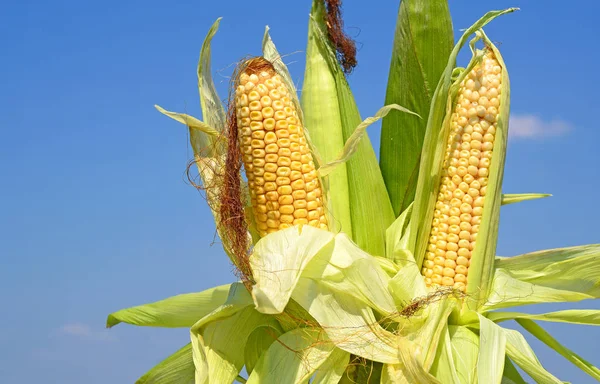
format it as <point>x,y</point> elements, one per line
<point>358,271</point>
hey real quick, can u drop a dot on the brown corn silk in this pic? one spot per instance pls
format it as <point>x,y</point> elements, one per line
<point>283,183</point>
<point>462,189</point>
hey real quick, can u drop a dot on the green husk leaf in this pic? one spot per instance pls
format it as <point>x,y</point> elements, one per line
<point>177,311</point>
<point>177,368</point>
<point>511,375</point>
<point>219,339</point>
<point>511,198</point>
<point>281,259</point>
<point>399,374</point>
<point>333,368</point>
<point>465,350</point>
<point>422,44</point>
<point>213,111</point>
<point>443,365</point>
<point>492,346</point>
<point>370,208</point>
<point>351,145</point>
<point>322,119</point>
<point>547,339</point>
<point>408,283</point>
<point>572,316</point>
<point>278,261</point>
<point>188,120</point>
<point>258,343</point>
<point>519,351</point>
<point>396,235</point>
<point>433,148</point>
<point>555,275</point>
<point>294,358</point>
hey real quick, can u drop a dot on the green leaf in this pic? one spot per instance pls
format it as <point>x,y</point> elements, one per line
<point>547,339</point>
<point>353,141</point>
<point>219,339</point>
<point>398,374</point>
<point>465,350</point>
<point>213,111</point>
<point>188,120</point>
<point>433,149</point>
<point>492,345</point>
<point>396,236</point>
<point>555,275</point>
<point>443,367</point>
<point>370,208</point>
<point>333,368</point>
<point>177,368</point>
<point>294,358</point>
<point>422,44</point>
<point>277,262</point>
<point>177,311</point>
<point>323,121</point>
<point>258,343</point>
<point>511,198</point>
<point>573,316</point>
<point>521,353</point>
<point>511,375</point>
<point>281,259</point>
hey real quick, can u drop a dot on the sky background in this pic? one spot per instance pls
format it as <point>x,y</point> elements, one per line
<point>95,211</point>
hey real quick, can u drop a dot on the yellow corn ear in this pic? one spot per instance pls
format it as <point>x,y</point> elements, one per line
<point>284,186</point>
<point>462,190</point>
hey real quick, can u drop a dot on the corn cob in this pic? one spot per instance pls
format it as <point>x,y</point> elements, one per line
<point>462,189</point>
<point>282,180</point>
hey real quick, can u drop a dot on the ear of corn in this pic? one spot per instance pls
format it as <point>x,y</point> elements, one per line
<point>465,176</point>
<point>283,183</point>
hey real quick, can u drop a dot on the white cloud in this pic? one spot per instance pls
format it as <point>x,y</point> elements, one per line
<point>533,127</point>
<point>85,332</point>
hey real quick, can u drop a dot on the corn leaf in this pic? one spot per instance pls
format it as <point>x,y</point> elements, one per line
<point>555,275</point>
<point>277,262</point>
<point>219,339</point>
<point>188,120</point>
<point>465,350</point>
<point>281,259</point>
<point>177,368</point>
<point>370,208</point>
<point>443,367</point>
<point>333,368</point>
<point>492,346</point>
<point>547,339</point>
<point>511,198</point>
<point>258,343</point>
<point>323,121</point>
<point>177,311</point>
<point>213,111</point>
<point>511,375</point>
<point>519,351</point>
<point>573,316</point>
<point>353,141</point>
<point>422,44</point>
<point>408,283</point>
<point>396,235</point>
<point>399,374</point>
<point>294,358</point>
<point>434,145</point>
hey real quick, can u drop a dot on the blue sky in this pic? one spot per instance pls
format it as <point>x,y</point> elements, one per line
<point>95,211</point>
